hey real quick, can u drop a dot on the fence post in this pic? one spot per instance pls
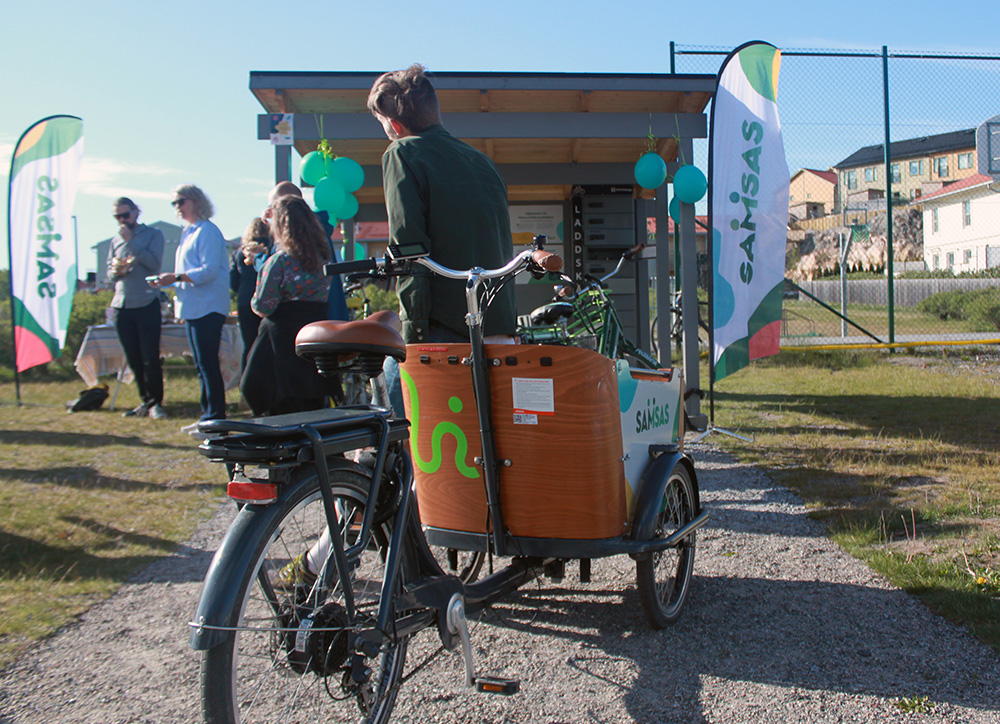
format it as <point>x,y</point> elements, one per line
<point>888,198</point>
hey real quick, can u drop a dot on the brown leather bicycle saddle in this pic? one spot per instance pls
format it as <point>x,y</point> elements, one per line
<point>340,342</point>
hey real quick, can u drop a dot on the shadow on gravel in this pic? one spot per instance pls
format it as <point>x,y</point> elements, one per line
<point>798,636</point>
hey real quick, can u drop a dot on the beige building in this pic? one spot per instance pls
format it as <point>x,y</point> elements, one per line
<point>812,193</point>
<point>919,166</point>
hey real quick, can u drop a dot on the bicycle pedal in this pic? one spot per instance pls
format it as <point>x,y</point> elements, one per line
<point>496,685</point>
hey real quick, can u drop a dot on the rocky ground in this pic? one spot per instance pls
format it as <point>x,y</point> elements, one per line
<point>781,625</point>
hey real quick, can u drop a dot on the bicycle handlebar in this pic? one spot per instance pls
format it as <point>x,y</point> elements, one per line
<point>541,260</point>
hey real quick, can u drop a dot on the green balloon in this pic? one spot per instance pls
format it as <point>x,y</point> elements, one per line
<point>349,208</point>
<point>650,171</point>
<point>313,167</point>
<point>690,184</point>
<point>674,209</point>
<point>329,195</point>
<point>348,172</point>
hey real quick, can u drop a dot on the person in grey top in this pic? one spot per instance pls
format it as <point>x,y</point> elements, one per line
<point>137,252</point>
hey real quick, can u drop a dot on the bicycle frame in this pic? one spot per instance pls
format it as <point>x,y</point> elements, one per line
<point>287,443</point>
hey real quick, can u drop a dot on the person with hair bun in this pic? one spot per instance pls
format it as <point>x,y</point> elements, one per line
<point>291,292</point>
<point>201,295</point>
<point>444,194</point>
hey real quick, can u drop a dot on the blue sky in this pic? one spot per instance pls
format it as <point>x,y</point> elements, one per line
<point>163,87</point>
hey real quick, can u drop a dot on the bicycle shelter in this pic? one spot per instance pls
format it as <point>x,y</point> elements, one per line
<point>565,143</point>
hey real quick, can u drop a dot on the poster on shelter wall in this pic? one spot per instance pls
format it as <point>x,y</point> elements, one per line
<point>526,221</point>
<point>748,208</point>
<point>43,179</point>
<point>282,129</point>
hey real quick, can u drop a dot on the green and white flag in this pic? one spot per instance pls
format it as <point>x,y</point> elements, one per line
<point>748,208</point>
<point>43,179</point>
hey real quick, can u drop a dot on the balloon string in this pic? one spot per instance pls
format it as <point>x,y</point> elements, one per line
<point>677,140</point>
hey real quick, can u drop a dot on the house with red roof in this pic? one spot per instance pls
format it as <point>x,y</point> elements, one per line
<point>961,232</point>
<point>812,193</point>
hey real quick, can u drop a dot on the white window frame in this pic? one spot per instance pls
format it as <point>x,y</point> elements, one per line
<point>967,213</point>
<point>934,221</point>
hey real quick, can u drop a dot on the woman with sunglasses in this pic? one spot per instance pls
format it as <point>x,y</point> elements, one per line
<point>291,292</point>
<point>201,294</point>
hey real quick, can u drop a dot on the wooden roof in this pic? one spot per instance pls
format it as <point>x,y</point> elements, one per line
<point>546,131</point>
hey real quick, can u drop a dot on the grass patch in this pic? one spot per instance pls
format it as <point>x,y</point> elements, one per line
<point>898,460</point>
<point>88,499</point>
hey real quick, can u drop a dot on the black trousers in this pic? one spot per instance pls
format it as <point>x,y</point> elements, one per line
<point>139,333</point>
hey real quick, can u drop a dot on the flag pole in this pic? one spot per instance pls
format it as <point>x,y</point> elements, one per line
<point>10,279</point>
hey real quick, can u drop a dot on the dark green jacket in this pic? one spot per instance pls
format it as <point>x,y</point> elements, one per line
<point>447,195</point>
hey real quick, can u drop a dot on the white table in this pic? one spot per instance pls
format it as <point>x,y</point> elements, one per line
<point>101,354</point>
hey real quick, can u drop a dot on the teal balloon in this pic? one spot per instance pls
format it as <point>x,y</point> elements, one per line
<point>313,168</point>
<point>348,172</point>
<point>349,208</point>
<point>674,209</point>
<point>650,171</point>
<point>329,195</point>
<point>690,184</point>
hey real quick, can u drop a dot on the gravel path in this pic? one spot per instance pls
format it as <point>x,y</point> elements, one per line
<point>781,625</point>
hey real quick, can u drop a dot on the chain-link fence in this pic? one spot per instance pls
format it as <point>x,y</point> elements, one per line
<point>945,235</point>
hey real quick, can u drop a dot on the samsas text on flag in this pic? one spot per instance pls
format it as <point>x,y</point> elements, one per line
<point>43,181</point>
<point>748,208</point>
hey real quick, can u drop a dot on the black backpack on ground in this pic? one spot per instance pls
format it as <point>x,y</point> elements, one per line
<point>90,399</point>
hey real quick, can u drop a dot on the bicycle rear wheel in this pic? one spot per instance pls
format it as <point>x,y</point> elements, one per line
<point>289,659</point>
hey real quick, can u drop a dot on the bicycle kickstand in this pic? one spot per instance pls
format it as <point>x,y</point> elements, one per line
<point>457,625</point>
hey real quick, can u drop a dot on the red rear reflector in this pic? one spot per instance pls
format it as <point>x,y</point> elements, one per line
<point>252,492</point>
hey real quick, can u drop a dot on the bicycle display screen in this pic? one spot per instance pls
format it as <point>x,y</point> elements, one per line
<point>411,250</point>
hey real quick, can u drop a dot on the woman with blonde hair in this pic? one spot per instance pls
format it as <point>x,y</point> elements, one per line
<point>201,294</point>
<point>243,281</point>
<point>291,292</point>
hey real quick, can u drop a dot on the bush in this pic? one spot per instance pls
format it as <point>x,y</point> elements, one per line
<point>984,311</point>
<point>946,305</point>
<point>929,274</point>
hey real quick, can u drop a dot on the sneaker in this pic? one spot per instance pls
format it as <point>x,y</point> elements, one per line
<point>139,411</point>
<point>294,573</point>
<point>157,412</point>
<point>188,429</point>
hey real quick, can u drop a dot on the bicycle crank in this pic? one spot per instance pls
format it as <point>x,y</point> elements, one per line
<point>457,625</point>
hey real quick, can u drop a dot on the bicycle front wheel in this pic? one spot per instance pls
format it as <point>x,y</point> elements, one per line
<point>663,578</point>
<point>288,658</point>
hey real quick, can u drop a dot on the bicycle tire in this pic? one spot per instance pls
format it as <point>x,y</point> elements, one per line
<point>467,564</point>
<point>253,675</point>
<point>663,579</point>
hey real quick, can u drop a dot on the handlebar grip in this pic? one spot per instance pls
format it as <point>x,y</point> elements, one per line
<point>634,250</point>
<point>345,267</point>
<point>546,260</point>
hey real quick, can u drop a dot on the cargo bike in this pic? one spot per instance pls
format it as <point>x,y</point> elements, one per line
<point>535,455</point>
